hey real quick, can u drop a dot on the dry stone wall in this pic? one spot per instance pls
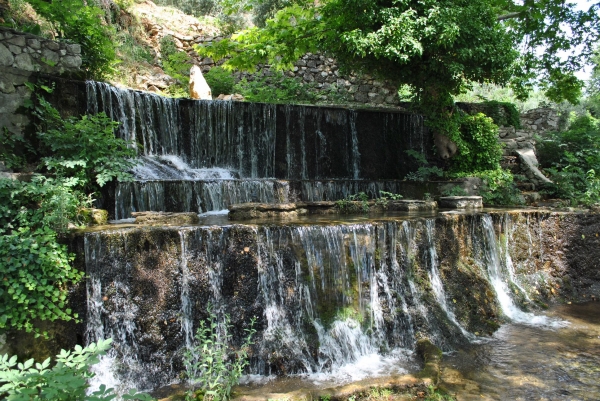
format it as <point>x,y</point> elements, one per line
<point>315,69</point>
<point>23,55</point>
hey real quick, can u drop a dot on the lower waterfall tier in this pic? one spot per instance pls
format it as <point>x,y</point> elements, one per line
<point>201,196</point>
<point>327,295</point>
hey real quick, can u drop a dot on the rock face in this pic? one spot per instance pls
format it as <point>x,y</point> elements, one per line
<point>165,276</point>
<point>199,88</point>
<point>529,165</point>
<point>94,216</point>
<point>292,210</point>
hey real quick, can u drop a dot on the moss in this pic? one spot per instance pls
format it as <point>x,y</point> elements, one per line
<point>432,356</point>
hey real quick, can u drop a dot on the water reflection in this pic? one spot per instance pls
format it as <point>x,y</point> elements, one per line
<point>531,363</point>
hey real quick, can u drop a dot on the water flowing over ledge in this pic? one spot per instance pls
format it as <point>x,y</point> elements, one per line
<point>327,296</point>
<point>256,140</point>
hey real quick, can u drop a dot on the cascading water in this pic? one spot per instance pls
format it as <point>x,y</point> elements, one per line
<point>182,140</point>
<point>431,260</point>
<point>501,278</point>
<point>326,296</point>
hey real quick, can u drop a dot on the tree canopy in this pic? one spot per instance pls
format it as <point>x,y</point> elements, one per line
<point>436,46</point>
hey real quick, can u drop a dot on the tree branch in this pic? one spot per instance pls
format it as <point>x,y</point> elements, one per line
<point>510,15</point>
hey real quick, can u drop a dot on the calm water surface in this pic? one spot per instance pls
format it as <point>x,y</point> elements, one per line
<point>532,363</point>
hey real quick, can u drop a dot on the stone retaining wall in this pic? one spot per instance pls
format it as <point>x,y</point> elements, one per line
<point>317,69</point>
<point>21,56</point>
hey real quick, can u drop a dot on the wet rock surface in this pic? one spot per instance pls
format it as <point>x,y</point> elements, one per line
<point>461,202</point>
<point>165,218</point>
<point>144,274</point>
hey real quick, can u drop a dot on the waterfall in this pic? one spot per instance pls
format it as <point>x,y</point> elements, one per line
<point>333,301</point>
<point>435,279</point>
<point>501,278</point>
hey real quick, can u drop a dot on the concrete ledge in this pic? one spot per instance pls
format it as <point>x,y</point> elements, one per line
<point>461,202</point>
<point>246,211</point>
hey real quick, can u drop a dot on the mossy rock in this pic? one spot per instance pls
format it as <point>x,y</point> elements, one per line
<point>432,356</point>
<point>91,217</point>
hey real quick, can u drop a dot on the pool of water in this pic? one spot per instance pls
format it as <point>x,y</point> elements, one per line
<point>524,362</point>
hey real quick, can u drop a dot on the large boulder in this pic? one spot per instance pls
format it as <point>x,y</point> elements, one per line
<point>199,88</point>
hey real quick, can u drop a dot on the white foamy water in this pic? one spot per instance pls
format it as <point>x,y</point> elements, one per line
<point>366,366</point>
<point>495,269</point>
<point>215,213</point>
<point>173,167</point>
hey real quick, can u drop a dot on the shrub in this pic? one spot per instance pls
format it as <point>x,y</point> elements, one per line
<point>209,365</point>
<point>177,64</point>
<point>478,146</point>
<point>35,268</point>
<point>572,160</point>
<point>220,80</point>
<point>276,88</point>
<point>504,114</point>
<point>83,149</point>
<point>67,379</point>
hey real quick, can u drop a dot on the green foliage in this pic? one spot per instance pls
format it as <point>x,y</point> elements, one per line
<point>425,172</point>
<point>82,154</point>
<point>498,187</point>
<point>14,149</point>
<point>572,160</point>
<point>79,22</point>
<point>66,379</point>
<point>455,190</point>
<point>353,203</point>
<point>177,64</point>
<point>35,268</point>
<point>209,365</point>
<point>434,394</point>
<point>504,114</point>
<point>276,88</point>
<point>83,149</point>
<point>129,49</point>
<point>220,81</point>
<point>478,146</point>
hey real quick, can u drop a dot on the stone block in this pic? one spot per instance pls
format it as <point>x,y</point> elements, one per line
<point>23,61</point>
<point>71,61</point>
<point>34,44</point>
<point>52,45</point>
<point>6,57</point>
<point>14,49</point>
<point>50,56</point>
<point>162,218</point>
<point>361,97</point>
<point>6,86</point>
<point>17,40</point>
<point>461,202</point>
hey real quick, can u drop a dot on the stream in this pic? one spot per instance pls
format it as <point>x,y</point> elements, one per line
<point>523,362</point>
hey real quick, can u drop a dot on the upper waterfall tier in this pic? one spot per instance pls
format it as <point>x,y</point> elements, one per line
<point>257,140</point>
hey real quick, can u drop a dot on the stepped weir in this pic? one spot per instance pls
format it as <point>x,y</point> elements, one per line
<point>328,294</point>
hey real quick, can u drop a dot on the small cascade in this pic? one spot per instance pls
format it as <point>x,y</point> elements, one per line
<point>501,277</point>
<point>431,260</point>
<point>193,196</point>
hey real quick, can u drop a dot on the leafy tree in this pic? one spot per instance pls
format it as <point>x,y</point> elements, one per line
<point>436,47</point>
